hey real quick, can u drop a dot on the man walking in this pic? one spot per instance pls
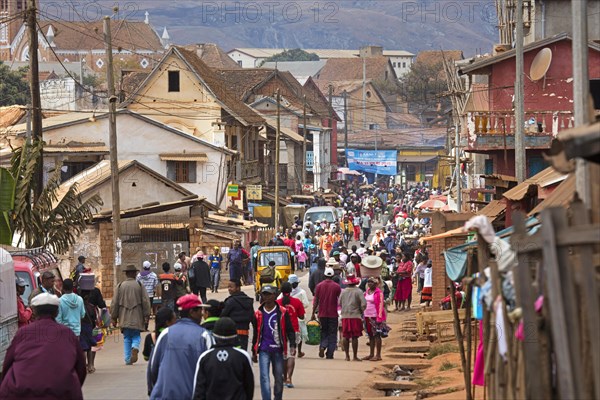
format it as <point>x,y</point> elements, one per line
<point>225,371</point>
<point>353,305</point>
<point>70,309</point>
<point>240,308</point>
<point>325,302</point>
<point>366,225</point>
<point>235,261</point>
<point>215,260</point>
<point>173,362</point>
<point>273,335</point>
<point>149,280</point>
<point>130,309</point>
<point>201,276</point>
<point>51,366</point>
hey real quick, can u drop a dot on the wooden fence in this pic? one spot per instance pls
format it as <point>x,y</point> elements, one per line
<point>556,286</point>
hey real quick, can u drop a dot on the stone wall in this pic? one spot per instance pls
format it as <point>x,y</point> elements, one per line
<point>107,258</point>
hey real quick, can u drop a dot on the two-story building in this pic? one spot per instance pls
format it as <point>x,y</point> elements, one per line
<point>184,93</point>
<point>488,125</point>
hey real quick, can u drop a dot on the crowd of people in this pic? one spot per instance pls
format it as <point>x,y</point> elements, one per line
<point>356,275</point>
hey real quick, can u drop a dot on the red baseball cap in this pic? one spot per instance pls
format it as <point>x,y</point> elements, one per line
<point>190,301</point>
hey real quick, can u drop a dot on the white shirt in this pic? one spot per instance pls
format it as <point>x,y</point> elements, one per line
<point>428,279</point>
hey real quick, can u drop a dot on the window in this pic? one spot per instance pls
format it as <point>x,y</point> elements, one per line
<point>403,65</point>
<point>240,63</point>
<point>70,169</point>
<point>173,81</point>
<point>595,92</point>
<point>181,171</point>
<point>386,75</point>
<point>411,172</point>
<point>394,64</point>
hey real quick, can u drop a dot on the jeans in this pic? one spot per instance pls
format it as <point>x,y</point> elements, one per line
<point>215,278</point>
<point>202,291</point>
<point>169,303</point>
<point>235,272</point>
<point>265,359</point>
<point>131,340</point>
<point>366,233</point>
<point>329,331</point>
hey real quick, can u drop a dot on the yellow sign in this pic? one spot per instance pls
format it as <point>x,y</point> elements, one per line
<point>233,190</point>
<point>254,192</point>
<point>262,212</point>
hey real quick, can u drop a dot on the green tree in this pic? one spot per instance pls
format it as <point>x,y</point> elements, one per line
<point>422,87</point>
<point>14,88</point>
<point>293,55</point>
<point>55,219</point>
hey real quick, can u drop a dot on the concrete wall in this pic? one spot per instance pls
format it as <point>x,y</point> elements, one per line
<point>141,141</point>
<point>558,19</point>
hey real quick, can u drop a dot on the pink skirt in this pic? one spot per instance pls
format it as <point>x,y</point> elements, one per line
<point>403,290</point>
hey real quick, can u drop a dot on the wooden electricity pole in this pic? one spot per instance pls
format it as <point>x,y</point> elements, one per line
<point>277,135</point>
<point>114,159</point>
<point>346,127</point>
<point>304,143</point>
<point>36,102</point>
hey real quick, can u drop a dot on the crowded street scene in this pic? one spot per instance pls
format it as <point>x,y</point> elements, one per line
<point>345,200</point>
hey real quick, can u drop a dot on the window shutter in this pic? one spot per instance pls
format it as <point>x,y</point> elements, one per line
<point>171,170</point>
<point>192,171</point>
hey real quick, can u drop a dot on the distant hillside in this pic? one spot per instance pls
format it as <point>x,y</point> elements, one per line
<point>407,25</point>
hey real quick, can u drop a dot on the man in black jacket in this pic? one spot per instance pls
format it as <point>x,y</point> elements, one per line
<point>224,371</point>
<point>199,275</point>
<point>318,276</point>
<point>240,308</point>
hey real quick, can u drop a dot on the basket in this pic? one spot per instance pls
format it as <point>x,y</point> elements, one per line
<point>314,332</point>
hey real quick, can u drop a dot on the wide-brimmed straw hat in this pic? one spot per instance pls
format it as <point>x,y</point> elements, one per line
<point>372,262</point>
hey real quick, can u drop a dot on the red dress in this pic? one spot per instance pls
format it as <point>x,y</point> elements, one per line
<point>404,287</point>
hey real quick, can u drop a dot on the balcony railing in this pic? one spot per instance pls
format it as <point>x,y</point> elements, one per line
<point>250,169</point>
<point>542,123</point>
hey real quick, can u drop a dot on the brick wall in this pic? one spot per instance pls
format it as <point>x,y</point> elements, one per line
<point>440,224</point>
<point>107,259</point>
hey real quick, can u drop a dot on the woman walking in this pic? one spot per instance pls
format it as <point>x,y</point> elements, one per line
<point>404,286</point>
<point>295,310</point>
<point>374,318</point>
<point>86,337</point>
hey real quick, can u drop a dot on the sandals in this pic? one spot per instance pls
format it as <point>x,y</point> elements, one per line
<point>376,359</point>
<point>367,358</point>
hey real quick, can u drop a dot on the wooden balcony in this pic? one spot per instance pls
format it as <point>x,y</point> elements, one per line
<point>251,170</point>
<point>495,130</point>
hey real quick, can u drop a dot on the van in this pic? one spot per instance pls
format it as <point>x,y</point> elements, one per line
<point>31,264</point>
<point>327,213</point>
<point>9,319</point>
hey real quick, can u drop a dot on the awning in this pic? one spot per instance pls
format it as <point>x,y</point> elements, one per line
<point>494,209</point>
<point>101,149</point>
<point>348,171</point>
<point>545,178</point>
<point>289,133</point>
<point>561,196</point>
<point>415,159</point>
<point>198,157</point>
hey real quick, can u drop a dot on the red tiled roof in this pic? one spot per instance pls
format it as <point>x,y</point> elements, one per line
<point>129,35</point>
<point>213,56</point>
<point>432,57</point>
<point>343,69</point>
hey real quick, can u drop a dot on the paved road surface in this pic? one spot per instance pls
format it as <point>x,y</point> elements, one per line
<point>314,378</point>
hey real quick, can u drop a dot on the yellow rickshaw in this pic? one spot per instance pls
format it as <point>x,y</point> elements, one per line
<point>281,255</point>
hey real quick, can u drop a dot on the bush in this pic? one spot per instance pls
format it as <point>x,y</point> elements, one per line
<point>440,349</point>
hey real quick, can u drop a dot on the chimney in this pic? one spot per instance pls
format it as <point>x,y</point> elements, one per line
<point>370,51</point>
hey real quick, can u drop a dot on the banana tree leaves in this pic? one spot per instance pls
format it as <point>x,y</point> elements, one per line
<point>7,203</point>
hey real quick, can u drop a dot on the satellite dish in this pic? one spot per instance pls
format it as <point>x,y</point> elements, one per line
<point>540,64</point>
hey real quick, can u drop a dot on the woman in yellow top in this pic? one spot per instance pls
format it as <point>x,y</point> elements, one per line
<point>347,229</point>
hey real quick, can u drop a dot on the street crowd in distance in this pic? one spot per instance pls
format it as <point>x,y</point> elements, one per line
<point>204,349</point>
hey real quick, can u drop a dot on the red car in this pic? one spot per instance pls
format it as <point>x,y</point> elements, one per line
<point>31,264</point>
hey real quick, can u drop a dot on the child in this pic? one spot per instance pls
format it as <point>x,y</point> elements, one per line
<point>212,314</point>
<point>165,317</point>
<point>302,257</point>
<point>427,285</point>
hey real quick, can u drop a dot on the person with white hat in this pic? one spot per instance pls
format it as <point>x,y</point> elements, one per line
<point>325,303</point>
<point>301,295</point>
<point>59,364</point>
<point>24,311</point>
<point>148,280</point>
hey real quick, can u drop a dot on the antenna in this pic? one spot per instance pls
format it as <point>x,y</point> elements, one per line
<point>540,65</point>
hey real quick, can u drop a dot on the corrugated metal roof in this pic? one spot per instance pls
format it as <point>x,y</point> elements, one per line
<point>415,159</point>
<point>57,120</point>
<point>199,157</point>
<point>284,131</point>
<point>545,178</point>
<point>560,197</point>
<point>494,209</point>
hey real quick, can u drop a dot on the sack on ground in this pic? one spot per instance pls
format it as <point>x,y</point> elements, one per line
<point>267,275</point>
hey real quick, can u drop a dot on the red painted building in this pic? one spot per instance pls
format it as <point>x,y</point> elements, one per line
<point>488,124</point>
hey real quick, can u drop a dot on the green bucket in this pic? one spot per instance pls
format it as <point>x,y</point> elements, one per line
<point>314,332</point>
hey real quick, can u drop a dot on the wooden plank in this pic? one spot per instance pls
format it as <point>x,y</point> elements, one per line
<point>537,379</point>
<point>393,385</point>
<point>587,234</point>
<point>589,295</point>
<point>560,333</point>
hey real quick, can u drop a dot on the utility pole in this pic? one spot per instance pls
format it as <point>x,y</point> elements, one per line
<point>581,92</point>
<point>346,126</point>
<point>304,142</point>
<point>114,160</point>
<point>36,102</point>
<point>277,135</point>
<point>364,93</point>
<point>331,149</point>
<point>520,161</point>
<point>457,168</point>
<point>81,82</point>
